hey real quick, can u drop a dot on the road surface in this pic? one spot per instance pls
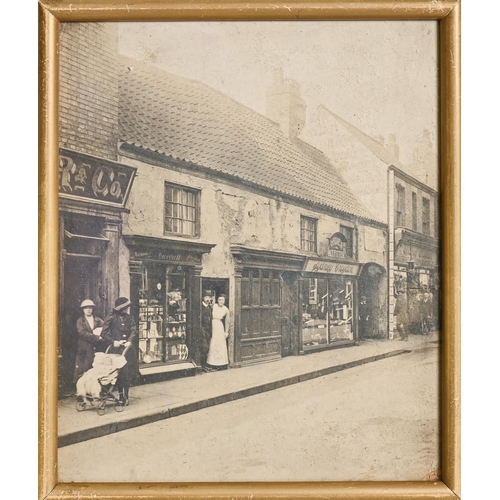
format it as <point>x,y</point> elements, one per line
<point>375,422</point>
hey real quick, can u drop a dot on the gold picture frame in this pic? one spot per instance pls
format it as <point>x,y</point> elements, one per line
<point>447,12</point>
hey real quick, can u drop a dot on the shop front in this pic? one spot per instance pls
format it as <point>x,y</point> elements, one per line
<point>416,271</point>
<point>328,304</point>
<point>266,322</point>
<point>92,197</point>
<point>165,290</point>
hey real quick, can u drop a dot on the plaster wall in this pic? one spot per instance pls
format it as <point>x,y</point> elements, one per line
<point>230,215</point>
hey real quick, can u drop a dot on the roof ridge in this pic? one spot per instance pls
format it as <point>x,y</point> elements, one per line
<point>188,120</point>
<point>153,68</point>
<point>373,145</point>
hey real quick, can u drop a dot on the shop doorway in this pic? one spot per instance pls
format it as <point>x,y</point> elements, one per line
<point>371,304</point>
<point>81,281</point>
<point>217,286</point>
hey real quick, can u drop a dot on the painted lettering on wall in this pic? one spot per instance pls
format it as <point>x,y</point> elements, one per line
<point>325,267</point>
<point>84,177</point>
<point>172,257</point>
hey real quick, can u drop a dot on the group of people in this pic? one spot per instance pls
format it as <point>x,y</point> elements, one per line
<point>415,315</point>
<point>214,329</point>
<point>118,332</point>
<point>115,333</point>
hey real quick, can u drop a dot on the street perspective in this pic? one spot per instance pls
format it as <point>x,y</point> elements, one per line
<point>249,267</point>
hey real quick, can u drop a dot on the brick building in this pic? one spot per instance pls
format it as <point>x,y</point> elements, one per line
<point>93,186</point>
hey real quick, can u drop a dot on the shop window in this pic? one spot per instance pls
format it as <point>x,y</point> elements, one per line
<point>162,314</point>
<point>181,210</point>
<point>414,211</point>
<point>308,234</point>
<point>426,216</point>
<point>400,205</point>
<point>313,291</point>
<point>327,315</point>
<point>260,303</point>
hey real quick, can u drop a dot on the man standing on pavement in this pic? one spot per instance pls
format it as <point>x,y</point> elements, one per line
<point>402,317</point>
<point>206,327</point>
<point>364,318</point>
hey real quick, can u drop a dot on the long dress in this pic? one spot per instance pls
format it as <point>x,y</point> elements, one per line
<point>217,351</point>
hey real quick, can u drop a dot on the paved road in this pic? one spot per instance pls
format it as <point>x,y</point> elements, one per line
<point>374,422</point>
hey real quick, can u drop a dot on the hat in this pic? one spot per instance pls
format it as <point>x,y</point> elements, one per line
<point>87,303</point>
<point>122,303</point>
<point>207,293</point>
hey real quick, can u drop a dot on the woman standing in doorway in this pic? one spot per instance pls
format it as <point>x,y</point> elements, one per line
<point>89,339</point>
<point>217,358</point>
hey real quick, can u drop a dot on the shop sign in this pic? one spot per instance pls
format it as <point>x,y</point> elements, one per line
<point>166,256</point>
<point>84,177</point>
<point>422,256</point>
<point>325,267</point>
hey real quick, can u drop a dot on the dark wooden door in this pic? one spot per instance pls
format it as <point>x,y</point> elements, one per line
<point>289,314</point>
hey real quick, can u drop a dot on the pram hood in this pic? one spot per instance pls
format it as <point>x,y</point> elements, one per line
<point>106,366</point>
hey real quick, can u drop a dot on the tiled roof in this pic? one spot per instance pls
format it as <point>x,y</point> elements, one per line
<point>188,120</point>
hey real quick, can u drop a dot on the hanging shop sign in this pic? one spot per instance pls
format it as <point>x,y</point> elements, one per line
<point>327,267</point>
<point>83,177</point>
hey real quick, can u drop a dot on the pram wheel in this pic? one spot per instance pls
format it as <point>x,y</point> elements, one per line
<point>81,405</point>
<point>101,409</point>
<point>119,406</point>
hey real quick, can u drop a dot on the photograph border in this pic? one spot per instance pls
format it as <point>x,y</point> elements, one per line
<point>447,13</point>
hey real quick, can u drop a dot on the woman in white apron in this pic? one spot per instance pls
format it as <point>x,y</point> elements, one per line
<point>217,352</point>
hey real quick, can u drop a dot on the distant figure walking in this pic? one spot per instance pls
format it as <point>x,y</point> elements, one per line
<point>426,310</point>
<point>402,317</point>
<point>217,358</point>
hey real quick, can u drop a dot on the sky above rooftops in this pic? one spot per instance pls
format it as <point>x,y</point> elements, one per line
<point>381,76</point>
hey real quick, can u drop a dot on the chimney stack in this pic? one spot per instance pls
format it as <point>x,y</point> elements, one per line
<point>285,106</point>
<point>392,146</point>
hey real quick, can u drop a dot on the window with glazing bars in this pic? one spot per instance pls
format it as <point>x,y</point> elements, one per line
<point>414,211</point>
<point>308,234</point>
<point>181,210</point>
<point>400,206</point>
<point>426,216</point>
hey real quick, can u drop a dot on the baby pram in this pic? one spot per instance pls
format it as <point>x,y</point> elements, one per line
<point>96,387</point>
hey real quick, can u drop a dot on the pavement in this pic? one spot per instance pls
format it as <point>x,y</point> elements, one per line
<point>161,400</point>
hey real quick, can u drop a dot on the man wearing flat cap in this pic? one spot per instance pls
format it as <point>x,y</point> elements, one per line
<point>120,333</point>
<point>206,326</point>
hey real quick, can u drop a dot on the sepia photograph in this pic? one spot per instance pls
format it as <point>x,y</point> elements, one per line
<point>249,251</point>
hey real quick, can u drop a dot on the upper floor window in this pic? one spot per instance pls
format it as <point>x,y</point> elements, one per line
<point>308,234</point>
<point>400,205</point>
<point>426,216</point>
<point>414,211</point>
<point>181,210</point>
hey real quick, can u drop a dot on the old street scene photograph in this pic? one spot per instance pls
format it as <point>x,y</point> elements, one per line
<point>249,277</point>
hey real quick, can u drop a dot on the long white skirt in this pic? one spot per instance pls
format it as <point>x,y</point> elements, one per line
<point>217,351</point>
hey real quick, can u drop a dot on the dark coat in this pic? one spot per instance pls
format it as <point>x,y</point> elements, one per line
<point>401,311</point>
<point>88,345</point>
<point>122,327</point>
<point>203,341</point>
<point>206,321</point>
